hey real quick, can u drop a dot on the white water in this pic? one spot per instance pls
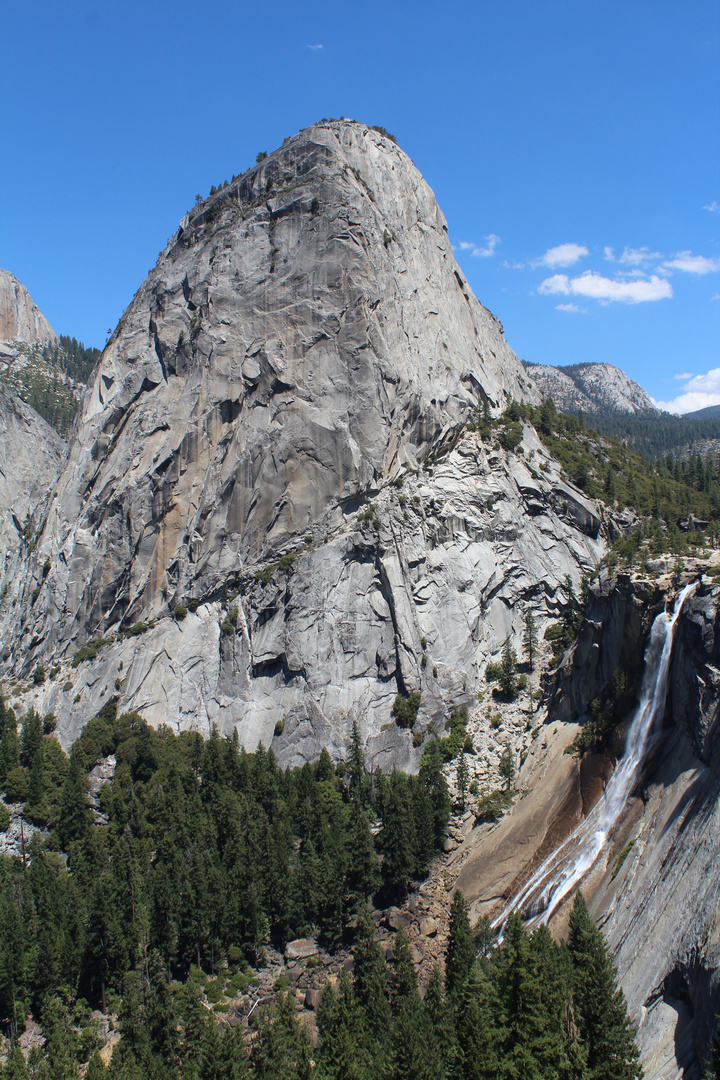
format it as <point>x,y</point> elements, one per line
<point>569,863</point>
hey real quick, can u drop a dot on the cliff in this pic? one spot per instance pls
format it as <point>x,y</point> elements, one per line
<point>272,483</point>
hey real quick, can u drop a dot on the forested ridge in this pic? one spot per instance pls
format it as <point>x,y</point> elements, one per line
<point>199,857</point>
<point>52,377</point>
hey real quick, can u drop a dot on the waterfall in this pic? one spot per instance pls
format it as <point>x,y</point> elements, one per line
<point>569,863</point>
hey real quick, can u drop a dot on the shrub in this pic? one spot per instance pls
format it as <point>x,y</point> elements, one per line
<point>49,723</point>
<point>39,675</point>
<point>134,631</point>
<point>493,806</point>
<point>47,566</point>
<point>193,606</point>
<point>384,132</point>
<point>493,672</point>
<point>622,856</point>
<point>90,651</point>
<point>510,435</point>
<point>405,710</point>
<point>5,818</point>
<point>179,612</point>
<point>279,728</point>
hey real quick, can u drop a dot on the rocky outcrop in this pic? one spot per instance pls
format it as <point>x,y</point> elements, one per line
<point>592,388</point>
<point>274,447</point>
<point>20,317</point>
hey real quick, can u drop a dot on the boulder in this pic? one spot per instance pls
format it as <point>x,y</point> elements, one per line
<point>300,949</point>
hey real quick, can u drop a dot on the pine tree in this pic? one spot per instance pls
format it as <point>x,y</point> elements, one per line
<point>16,1069</point>
<point>525,1020</point>
<point>282,1048</point>
<point>96,1070</point>
<point>398,839</point>
<point>75,816</point>
<point>508,671</point>
<point>342,1050</point>
<point>439,1028</point>
<point>530,638</point>
<point>507,766</point>
<point>357,768</point>
<point>235,1058</point>
<point>460,955</point>
<point>599,1003</point>
<point>480,1031</point>
<point>431,775</point>
<point>408,1059</point>
<point>363,876</point>
<point>370,977</point>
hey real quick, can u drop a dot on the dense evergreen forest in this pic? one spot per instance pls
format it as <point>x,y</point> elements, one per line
<point>656,436</point>
<point>201,855</point>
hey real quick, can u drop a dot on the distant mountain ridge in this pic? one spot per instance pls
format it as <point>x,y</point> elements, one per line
<point>596,389</point>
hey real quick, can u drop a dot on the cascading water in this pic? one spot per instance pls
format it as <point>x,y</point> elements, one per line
<point>569,863</point>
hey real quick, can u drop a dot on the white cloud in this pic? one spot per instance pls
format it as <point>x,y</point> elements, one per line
<point>562,255</point>
<point>491,243</point>
<point>685,375</point>
<point>714,207</point>
<point>638,256</point>
<point>609,253</point>
<point>699,392</point>
<point>692,264</point>
<point>606,290</point>
<point>314,46</point>
<point>568,307</point>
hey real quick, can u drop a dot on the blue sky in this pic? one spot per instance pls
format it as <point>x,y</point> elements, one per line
<point>573,148</point>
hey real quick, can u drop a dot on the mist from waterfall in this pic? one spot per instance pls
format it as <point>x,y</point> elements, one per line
<point>540,897</point>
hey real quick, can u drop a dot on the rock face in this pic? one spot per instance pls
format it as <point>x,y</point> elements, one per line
<point>20,317</point>
<point>594,388</point>
<point>275,438</point>
<point>31,458</point>
<point>656,889</point>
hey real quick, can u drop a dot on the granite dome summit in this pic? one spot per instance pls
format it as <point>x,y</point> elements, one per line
<point>305,343</point>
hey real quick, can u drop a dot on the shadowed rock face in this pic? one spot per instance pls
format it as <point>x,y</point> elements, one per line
<point>305,340</point>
